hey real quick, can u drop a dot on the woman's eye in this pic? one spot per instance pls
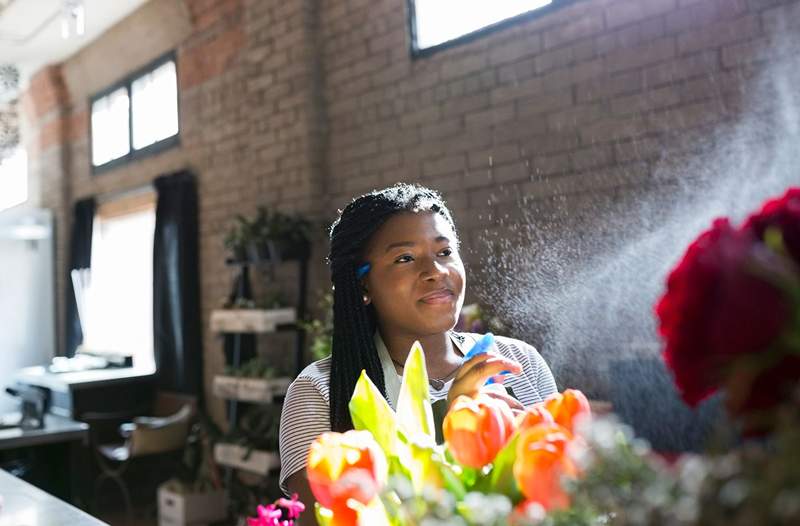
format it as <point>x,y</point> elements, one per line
<point>404,259</point>
<point>446,252</point>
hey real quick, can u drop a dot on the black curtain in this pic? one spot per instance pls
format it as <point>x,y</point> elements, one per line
<point>177,325</point>
<point>80,256</point>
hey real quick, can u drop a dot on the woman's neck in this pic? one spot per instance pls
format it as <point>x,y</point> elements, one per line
<point>441,356</point>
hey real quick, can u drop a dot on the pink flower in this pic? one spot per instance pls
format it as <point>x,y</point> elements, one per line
<point>292,506</point>
<point>272,514</point>
<point>267,516</point>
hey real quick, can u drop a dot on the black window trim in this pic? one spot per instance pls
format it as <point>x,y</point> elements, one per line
<point>416,52</point>
<point>150,149</point>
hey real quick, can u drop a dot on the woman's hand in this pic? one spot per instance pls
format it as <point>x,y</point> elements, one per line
<point>472,377</point>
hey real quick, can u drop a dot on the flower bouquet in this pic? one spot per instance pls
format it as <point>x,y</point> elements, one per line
<point>492,467</point>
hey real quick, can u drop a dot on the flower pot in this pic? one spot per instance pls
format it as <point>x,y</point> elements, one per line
<point>184,509</point>
<point>260,390</point>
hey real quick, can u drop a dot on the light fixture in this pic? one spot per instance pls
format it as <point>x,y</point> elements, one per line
<point>73,18</point>
<point>9,119</point>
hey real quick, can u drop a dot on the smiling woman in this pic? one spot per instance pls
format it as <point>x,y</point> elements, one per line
<point>398,278</point>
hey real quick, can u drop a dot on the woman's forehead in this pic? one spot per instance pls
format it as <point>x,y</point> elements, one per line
<point>411,227</point>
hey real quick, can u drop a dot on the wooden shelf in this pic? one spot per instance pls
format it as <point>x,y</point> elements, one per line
<point>233,455</point>
<point>261,390</point>
<point>251,320</point>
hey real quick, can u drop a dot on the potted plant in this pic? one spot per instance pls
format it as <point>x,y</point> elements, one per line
<point>239,238</point>
<point>195,494</point>
<point>279,236</point>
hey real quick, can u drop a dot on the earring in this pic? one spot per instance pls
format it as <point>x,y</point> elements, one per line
<point>366,299</point>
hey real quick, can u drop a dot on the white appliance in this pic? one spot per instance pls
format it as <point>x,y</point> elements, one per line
<point>27,310</point>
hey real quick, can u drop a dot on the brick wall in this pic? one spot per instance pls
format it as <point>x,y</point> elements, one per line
<point>303,104</point>
<point>587,98</point>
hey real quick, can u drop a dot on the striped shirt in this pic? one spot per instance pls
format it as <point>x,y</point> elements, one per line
<point>306,412</point>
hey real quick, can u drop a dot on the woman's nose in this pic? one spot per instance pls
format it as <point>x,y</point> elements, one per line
<point>433,269</point>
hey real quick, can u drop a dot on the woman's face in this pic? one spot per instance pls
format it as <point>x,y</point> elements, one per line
<point>416,280</point>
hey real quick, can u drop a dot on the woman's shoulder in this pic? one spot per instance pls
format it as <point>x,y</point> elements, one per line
<point>315,375</point>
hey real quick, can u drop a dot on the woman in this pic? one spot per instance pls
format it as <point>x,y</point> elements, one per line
<point>398,278</point>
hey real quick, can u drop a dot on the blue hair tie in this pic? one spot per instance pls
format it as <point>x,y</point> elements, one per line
<point>362,270</point>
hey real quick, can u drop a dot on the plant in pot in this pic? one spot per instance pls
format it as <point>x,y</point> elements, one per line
<point>239,238</point>
<point>196,492</point>
<point>279,236</point>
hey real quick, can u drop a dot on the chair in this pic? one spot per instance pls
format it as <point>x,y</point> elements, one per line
<point>144,437</point>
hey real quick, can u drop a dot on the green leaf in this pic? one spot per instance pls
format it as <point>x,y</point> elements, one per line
<point>501,478</point>
<point>414,414</point>
<point>324,515</point>
<point>370,411</point>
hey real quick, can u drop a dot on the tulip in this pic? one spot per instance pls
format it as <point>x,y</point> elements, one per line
<point>476,429</point>
<point>542,460</point>
<point>534,415</point>
<point>568,408</point>
<point>343,466</point>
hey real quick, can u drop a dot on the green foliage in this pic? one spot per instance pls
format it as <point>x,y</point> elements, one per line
<point>258,428</point>
<point>247,239</point>
<point>320,331</point>
<point>254,368</point>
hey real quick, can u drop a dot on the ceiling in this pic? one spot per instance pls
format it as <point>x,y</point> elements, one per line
<point>30,30</point>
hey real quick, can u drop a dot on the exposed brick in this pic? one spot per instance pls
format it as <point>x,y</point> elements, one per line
<point>515,50</point>
<point>587,24</point>
<point>491,117</point>
<point>651,52</point>
<point>609,86</point>
<point>624,12</point>
<point>719,33</point>
<point>647,101</point>
<point>782,18</point>
<point>702,63</point>
<point>701,14</point>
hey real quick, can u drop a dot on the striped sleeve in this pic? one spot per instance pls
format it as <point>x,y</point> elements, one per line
<point>545,383</point>
<point>536,381</point>
<point>305,416</point>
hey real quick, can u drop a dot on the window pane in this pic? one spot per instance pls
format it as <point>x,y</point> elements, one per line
<point>13,179</point>
<point>438,21</point>
<point>155,106</point>
<point>110,139</point>
<point>119,303</point>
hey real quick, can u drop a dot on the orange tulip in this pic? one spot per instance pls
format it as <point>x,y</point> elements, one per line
<point>476,429</point>
<point>568,407</point>
<point>541,462</point>
<point>534,415</point>
<point>344,466</point>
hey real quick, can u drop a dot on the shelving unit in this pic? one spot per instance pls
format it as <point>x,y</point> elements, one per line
<point>244,390</point>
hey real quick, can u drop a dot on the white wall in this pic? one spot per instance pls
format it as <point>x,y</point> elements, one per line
<point>27,325</point>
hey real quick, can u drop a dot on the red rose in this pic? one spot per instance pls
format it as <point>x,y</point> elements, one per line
<point>784,214</point>
<point>717,307</point>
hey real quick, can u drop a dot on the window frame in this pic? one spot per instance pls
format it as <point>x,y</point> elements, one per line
<point>416,52</point>
<point>127,83</point>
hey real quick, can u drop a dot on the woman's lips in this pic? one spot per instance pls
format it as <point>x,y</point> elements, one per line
<point>439,297</point>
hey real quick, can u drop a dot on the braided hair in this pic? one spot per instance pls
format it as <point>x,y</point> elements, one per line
<point>354,323</point>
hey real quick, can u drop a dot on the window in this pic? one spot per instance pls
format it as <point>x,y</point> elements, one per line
<point>117,304</point>
<point>13,179</point>
<point>139,116</point>
<point>438,22</point>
